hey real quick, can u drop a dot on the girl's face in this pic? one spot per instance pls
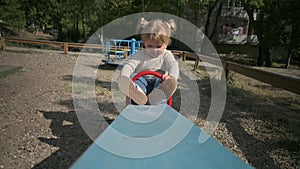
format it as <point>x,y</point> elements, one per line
<point>154,48</point>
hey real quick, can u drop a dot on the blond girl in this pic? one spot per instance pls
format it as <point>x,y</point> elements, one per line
<point>149,89</point>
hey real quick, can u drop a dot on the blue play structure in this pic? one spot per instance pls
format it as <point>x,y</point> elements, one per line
<point>144,137</point>
<point>116,50</point>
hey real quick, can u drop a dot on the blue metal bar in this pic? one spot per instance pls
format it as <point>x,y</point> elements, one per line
<point>132,47</point>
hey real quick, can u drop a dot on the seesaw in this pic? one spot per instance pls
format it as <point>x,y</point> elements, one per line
<point>144,137</point>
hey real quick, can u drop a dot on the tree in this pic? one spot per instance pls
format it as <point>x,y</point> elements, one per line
<point>274,16</point>
<point>292,14</point>
<point>11,16</point>
<point>210,6</point>
<point>260,25</point>
<point>75,20</point>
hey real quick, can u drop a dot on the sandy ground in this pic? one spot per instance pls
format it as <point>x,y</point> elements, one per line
<point>39,127</point>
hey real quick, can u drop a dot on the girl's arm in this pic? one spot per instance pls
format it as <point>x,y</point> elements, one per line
<point>172,65</point>
<point>130,66</point>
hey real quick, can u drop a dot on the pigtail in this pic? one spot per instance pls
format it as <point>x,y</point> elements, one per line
<point>142,22</point>
<point>172,26</point>
<point>156,29</point>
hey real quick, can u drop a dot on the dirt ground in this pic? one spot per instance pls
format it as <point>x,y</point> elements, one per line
<point>40,129</point>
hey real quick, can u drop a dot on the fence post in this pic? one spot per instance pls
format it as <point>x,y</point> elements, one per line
<point>3,45</point>
<point>197,61</point>
<point>65,48</point>
<point>183,56</point>
<point>226,71</point>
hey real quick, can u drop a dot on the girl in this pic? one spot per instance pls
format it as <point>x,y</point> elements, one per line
<point>155,56</point>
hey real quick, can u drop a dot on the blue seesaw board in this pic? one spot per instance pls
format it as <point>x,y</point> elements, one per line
<point>144,137</point>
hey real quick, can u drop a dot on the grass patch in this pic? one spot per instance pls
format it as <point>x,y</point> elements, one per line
<point>98,88</point>
<point>15,71</point>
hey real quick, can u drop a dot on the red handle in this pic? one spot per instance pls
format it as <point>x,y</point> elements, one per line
<point>149,72</point>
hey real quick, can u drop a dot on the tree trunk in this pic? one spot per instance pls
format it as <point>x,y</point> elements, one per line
<point>288,60</point>
<point>267,56</point>
<point>260,57</point>
<point>290,48</point>
<point>256,26</point>
<point>59,21</point>
<point>219,10</point>
<point>264,50</point>
<point>250,23</point>
<point>101,36</point>
<point>264,54</point>
<point>208,18</point>
<point>83,19</point>
<point>253,24</point>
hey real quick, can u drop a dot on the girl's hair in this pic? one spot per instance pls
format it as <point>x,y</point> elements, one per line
<point>156,30</point>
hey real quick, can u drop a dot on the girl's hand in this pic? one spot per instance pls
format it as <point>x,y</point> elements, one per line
<point>165,77</point>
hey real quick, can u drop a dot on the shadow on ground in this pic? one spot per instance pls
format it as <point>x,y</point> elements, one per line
<point>69,138</point>
<point>260,128</point>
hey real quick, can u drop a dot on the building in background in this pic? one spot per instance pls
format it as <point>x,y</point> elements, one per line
<point>233,25</point>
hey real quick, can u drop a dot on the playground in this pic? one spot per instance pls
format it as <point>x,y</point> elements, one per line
<point>40,128</point>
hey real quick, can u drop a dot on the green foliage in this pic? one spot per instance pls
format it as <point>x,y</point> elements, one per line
<point>11,15</point>
<point>276,24</point>
<point>256,3</point>
<point>76,20</point>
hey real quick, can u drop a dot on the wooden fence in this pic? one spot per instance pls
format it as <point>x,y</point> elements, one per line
<point>64,45</point>
<point>277,80</point>
<point>289,83</point>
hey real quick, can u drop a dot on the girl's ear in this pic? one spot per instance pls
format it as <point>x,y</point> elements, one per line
<point>142,22</point>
